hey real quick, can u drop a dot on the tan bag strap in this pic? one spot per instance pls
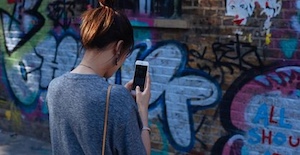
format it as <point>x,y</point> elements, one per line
<point>105,119</point>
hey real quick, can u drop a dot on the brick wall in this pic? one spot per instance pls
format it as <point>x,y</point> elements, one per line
<point>225,75</point>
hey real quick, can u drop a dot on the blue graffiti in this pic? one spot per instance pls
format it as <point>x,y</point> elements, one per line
<point>177,91</point>
<point>274,76</point>
<point>22,25</point>
<point>29,79</point>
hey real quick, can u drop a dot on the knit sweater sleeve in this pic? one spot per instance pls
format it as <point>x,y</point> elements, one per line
<point>129,139</point>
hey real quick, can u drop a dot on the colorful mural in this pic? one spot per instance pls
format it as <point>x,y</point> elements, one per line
<point>229,58</point>
<point>176,90</point>
<point>35,65</point>
<point>223,98</point>
<point>241,10</point>
<point>21,24</point>
<point>295,19</point>
<point>257,115</point>
<point>34,57</point>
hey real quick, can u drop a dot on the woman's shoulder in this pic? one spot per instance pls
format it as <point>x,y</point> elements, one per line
<point>121,91</point>
<point>56,81</point>
<point>122,96</point>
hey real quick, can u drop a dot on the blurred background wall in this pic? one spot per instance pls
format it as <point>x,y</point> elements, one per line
<point>225,73</point>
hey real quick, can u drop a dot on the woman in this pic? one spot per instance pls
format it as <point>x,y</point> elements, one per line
<point>76,100</point>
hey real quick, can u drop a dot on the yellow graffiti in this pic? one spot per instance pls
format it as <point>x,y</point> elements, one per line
<point>16,117</point>
<point>268,38</point>
<point>12,114</point>
<point>250,38</point>
<point>8,114</point>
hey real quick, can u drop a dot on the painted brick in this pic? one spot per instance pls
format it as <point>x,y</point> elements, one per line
<point>287,14</point>
<point>199,27</point>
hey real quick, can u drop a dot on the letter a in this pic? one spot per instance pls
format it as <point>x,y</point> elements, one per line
<point>262,114</point>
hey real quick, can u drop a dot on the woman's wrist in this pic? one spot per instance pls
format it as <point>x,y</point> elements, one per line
<point>144,117</point>
<point>146,128</point>
<point>143,107</point>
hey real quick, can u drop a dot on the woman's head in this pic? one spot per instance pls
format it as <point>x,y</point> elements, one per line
<point>103,25</point>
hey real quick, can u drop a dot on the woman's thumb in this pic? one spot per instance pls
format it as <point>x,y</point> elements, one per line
<point>137,89</point>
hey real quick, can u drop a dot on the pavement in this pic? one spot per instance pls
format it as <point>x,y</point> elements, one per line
<point>14,144</point>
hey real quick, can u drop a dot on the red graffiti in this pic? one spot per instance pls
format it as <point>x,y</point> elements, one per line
<point>271,116</point>
<point>294,144</point>
<point>268,137</point>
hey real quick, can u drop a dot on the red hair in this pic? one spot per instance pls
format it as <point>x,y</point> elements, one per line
<point>103,25</point>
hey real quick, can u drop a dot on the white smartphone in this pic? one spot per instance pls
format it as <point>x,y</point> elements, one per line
<point>139,79</point>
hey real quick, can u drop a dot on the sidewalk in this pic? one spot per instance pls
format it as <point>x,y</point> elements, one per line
<point>12,144</point>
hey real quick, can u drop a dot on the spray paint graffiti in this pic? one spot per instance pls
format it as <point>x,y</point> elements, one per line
<point>177,91</point>
<point>61,12</point>
<point>29,72</point>
<point>288,47</point>
<point>165,148</point>
<point>58,53</point>
<point>242,9</point>
<point>3,89</point>
<point>142,34</point>
<point>256,111</point>
<point>295,19</point>
<point>231,57</point>
<point>64,15</point>
<point>21,25</point>
<point>35,70</point>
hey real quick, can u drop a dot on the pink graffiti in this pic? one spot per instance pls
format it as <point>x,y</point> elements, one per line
<point>264,108</point>
<point>286,80</point>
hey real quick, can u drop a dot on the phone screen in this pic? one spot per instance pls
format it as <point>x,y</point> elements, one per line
<point>139,77</point>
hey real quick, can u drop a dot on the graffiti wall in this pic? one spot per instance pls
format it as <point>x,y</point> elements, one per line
<point>33,52</point>
<point>260,117</point>
<point>227,83</point>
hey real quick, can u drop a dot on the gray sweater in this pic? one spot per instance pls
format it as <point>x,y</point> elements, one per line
<point>76,105</point>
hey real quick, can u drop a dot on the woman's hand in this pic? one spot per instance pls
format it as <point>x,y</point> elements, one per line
<point>129,85</point>
<point>143,98</point>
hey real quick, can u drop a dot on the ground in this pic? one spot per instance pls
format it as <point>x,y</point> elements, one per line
<point>13,144</point>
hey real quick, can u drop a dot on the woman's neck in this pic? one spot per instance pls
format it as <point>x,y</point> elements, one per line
<point>95,62</point>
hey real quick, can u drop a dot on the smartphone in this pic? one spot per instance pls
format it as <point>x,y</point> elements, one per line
<point>139,79</point>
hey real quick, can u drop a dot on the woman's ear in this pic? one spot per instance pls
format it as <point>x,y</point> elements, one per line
<point>119,47</point>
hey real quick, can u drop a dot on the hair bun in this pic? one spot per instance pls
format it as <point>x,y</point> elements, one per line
<point>109,3</point>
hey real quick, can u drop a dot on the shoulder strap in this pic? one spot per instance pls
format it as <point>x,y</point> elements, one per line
<point>105,119</point>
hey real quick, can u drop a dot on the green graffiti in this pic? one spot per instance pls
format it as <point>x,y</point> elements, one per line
<point>165,149</point>
<point>289,47</point>
<point>140,33</point>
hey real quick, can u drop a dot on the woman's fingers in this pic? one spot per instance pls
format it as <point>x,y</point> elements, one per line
<point>148,82</point>
<point>137,89</point>
<point>128,85</point>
